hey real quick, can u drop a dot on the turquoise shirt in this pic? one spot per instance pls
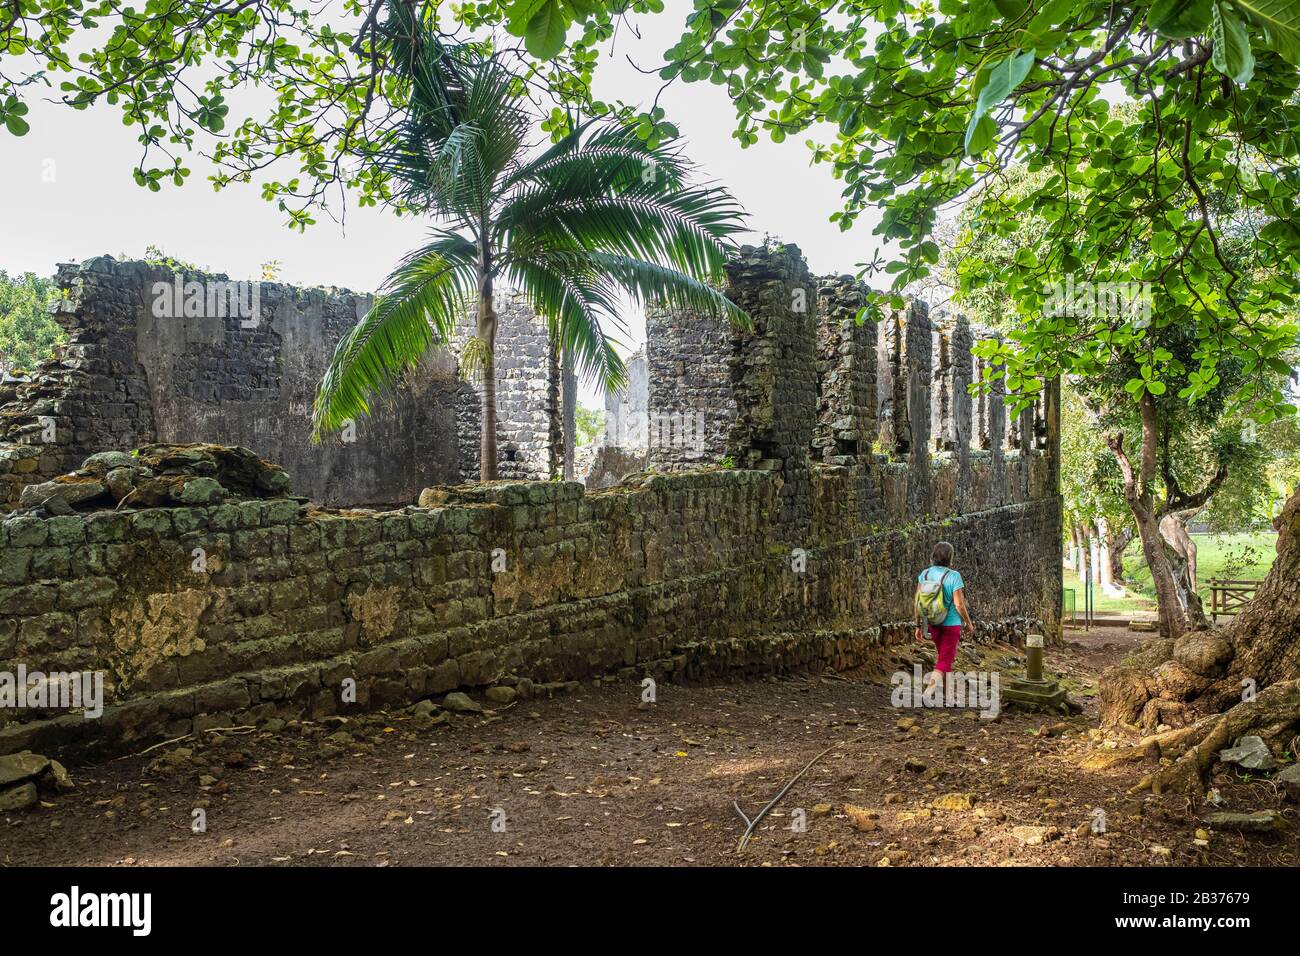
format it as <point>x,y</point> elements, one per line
<point>950,584</point>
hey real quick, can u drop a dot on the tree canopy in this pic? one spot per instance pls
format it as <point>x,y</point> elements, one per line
<point>1128,117</point>
<point>319,93</point>
<point>28,334</point>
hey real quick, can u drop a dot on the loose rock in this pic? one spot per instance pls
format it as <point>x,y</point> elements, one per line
<point>18,767</point>
<point>20,797</point>
<point>955,802</point>
<point>459,703</point>
<point>1261,821</point>
<point>1290,779</point>
<point>1250,753</point>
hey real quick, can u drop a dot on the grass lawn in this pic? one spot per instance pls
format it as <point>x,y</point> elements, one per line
<point>1247,556</point>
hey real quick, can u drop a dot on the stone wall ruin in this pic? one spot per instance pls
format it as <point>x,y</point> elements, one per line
<point>889,395</point>
<point>156,355</point>
<point>799,552</point>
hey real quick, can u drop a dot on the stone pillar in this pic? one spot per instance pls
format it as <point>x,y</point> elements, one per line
<point>889,355</point>
<point>963,371</point>
<point>917,366</point>
<point>941,393</point>
<point>846,369</point>
<point>1013,433</point>
<point>994,436</point>
<point>691,409</point>
<point>774,371</point>
<point>1052,444</point>
<point>960,420</point>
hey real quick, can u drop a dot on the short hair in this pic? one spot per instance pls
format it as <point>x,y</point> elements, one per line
<point>942,554</point>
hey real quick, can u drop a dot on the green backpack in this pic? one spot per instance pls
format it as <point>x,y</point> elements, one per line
<point>930,605</point>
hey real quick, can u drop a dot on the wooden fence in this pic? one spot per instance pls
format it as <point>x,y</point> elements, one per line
<point>1228,596</point>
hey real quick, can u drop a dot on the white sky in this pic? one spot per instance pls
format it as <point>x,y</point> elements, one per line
<point>66,192</point>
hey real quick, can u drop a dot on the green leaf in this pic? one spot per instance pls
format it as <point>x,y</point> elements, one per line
<point>979,134</point>
<point>1180,19</point>
<point>520,12</point>
<point>1231,55</point>
<point>11,114</point>
<point>1004,77</point>
<point>1011,9</point>
<point>1280,21</point>
<point>544,36</point>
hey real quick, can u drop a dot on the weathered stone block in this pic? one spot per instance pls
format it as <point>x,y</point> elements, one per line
<point>153,521</point>
<point>25,532</point>
<point>107,526</point>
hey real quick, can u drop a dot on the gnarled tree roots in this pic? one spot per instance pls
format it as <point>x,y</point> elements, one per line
<point>1273,716</point>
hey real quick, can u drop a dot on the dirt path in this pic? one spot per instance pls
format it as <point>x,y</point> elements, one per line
<point>592,779</point>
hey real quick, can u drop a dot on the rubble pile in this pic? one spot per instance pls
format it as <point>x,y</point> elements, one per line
<point>156,476</point>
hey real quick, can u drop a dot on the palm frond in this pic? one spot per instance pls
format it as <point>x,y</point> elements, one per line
<point>688,229</point>
<point>463,130</point>
<point>606,157</point>
<point>649,283</point>
<point>473,358</point>
<point>576,301</point>
<point>600,211</point>
<point>416,309</point>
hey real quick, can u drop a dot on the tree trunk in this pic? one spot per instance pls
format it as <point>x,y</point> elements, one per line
<point>554,412</point>
<point>569,405</point>
<point>487,333</point>
<point>1116,545</point>
<point>1250,669</point>
<point>1265,636</point>
<point>1174,528</point>
<point>1170,609</point>
<point>1181,553</point>
<point>1170,615</point>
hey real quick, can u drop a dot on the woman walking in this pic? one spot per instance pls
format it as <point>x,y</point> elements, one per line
<point>941,602</point>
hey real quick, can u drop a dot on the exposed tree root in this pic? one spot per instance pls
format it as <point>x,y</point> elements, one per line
<point>1167,744</point>
<point>1174,742</point>
<point>1273,713</point>
<point>1195,682</point>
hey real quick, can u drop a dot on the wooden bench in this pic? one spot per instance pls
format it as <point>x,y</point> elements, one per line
<point>1228,596</point>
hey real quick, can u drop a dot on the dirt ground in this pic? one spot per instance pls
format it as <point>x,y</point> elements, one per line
<point>595,778</point>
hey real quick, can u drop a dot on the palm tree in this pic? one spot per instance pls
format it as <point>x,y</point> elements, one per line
<point>570,227</point>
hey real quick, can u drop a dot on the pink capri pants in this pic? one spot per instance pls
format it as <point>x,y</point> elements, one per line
<point>945,637</point>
